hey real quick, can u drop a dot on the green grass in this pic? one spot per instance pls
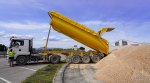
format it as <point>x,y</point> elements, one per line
<point>44,75</point>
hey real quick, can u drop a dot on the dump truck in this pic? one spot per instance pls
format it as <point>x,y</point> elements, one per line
<point>83,35</point>
<point>62,24</point>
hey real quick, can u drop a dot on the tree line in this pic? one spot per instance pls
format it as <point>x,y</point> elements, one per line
<point>3,47</point>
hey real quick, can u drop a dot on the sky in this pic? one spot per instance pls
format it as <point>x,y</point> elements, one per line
<point>29,18</point>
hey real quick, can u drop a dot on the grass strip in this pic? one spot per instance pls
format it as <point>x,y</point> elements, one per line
<point>44,75</point>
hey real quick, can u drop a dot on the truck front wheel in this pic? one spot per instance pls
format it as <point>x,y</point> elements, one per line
<point>21,60</point>
<point>55,59</point>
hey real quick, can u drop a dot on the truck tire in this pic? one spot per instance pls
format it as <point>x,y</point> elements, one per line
<point>21,60</point>
<point>86,59</point>
<point>95,58</point>
<point>55,59</point>
<point>75,59</point>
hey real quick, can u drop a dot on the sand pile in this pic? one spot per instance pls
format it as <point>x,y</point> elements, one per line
<point>130,64</point>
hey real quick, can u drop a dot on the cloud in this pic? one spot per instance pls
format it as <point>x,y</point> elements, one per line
<point>58,39</point>
<point>68,40</point>
<point>52,38</point>
<point>130,30</point>
<point>102,23</point>
<point>134,31</point>
<point>19,36</point>
<point>26,25</point>
<point>5,38</point>
<point>2,33</point>
<point>46,31</point>
<point>96,22</point>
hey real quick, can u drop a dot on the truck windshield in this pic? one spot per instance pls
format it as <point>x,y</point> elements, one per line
<point>16,43</point>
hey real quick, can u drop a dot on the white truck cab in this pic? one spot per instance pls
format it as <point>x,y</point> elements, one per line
<point>24,53</point>
<point>22,48</point>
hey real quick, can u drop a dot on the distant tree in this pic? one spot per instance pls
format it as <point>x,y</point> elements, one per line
<point>90,51</point>
<point>34,49</point>
<point>57,49</point>
<point>68,49</point>
<point>82,48</point>
<point>3,47</point>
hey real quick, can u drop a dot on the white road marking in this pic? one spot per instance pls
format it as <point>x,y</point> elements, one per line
<point>28,69</point>
<point>5,80</point>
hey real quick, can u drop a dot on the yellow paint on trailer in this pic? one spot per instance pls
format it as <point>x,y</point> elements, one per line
<point>80,32</point>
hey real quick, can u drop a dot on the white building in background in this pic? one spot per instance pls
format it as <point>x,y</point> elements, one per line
<point>124,43</point>
<point>121,43</point>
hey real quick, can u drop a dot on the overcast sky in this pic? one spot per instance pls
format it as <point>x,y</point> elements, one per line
<point>29,18</point>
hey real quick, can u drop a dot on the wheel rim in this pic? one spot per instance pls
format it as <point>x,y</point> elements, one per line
<point>96,58</point>
<point>76,59</point>
<point>86,59</point>
<point>21,60</point>
<point>54,59</point>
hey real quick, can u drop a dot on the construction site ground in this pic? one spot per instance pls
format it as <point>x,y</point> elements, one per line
<point>80,73</point>
<point>130,64</point>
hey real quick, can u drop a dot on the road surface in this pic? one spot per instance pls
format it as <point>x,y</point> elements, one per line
<point>80,73</point>
<point>16,74</point>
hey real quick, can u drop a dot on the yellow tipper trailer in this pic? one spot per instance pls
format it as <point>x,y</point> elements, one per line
<point>83,35</point>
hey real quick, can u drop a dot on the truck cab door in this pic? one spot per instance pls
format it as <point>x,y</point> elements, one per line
<point>21,47</point>
<point>24,47</point>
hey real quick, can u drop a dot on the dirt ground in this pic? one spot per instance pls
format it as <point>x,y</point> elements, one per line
<point>80,73</point>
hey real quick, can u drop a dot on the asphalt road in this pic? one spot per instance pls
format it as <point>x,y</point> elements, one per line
<point>80,73</point>
<point>17,74</point>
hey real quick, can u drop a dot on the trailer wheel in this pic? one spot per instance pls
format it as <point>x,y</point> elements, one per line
<point>86,59</point>
<point>21,60</point>
<point>55,59</point>
<point>76,59</point>
<point>95,58</point>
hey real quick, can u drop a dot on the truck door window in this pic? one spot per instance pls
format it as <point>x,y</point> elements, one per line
<point>17,43</point>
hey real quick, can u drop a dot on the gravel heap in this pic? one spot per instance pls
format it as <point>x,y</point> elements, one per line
<point>130,64</point>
